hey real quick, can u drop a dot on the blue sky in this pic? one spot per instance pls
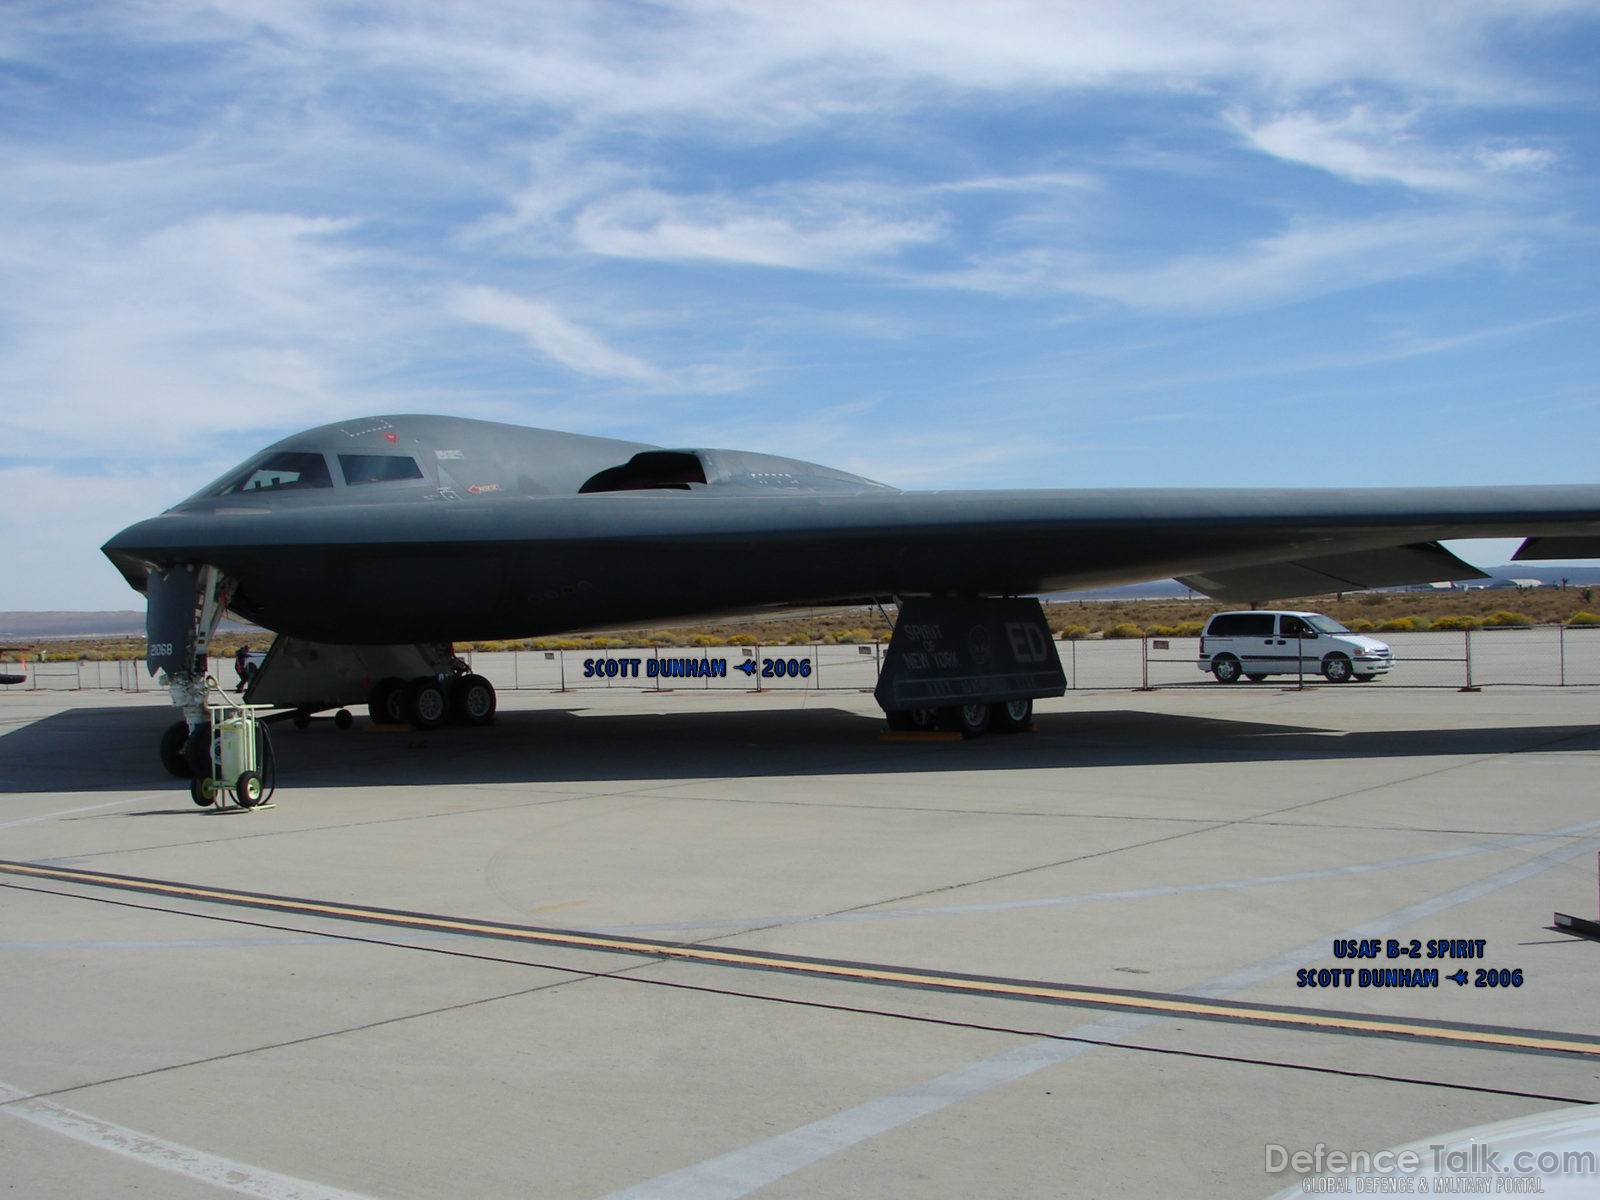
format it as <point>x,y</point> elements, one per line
<point>941,244</point>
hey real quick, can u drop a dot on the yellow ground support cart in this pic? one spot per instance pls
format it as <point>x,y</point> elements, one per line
<point>241,761</point>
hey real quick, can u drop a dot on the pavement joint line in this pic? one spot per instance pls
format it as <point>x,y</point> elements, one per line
<point>1128,1001</point>
<point>69,812</point>
<point>870,912</point>
<point>736,1173</point>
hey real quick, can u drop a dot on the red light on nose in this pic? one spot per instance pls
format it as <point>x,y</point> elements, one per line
<point>391,437</point>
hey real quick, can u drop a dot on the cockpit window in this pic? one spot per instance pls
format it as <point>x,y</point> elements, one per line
<point>281,472</point>
<point>378,468</point>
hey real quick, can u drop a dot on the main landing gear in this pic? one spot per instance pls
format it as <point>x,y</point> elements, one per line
<point>969,720</point>
<point>428,702</point>
<point>996,653</point>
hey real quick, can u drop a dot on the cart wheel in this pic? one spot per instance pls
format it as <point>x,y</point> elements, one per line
<point>249,790</point>
<point>203,790</point>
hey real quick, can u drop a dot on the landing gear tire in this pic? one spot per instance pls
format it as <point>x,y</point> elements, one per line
<point>203,791</point>
<point>172,756</point>
<point>1011,717</point>
<point>427,705</point>
<point>472,700</point>
<point>386,702</point>
<point>249,791</point>
<point>302,719</point>
<point>1226,668</point>
<point>969,720</point>
<point>342,719</point>
<point>197,751</point>
<point>913,720</point>
<point>1336,669</point>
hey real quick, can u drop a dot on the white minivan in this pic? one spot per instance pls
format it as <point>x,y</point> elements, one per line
<point>1258,644</point>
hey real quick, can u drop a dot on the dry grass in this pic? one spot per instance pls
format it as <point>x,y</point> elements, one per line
<point>1078,618</point>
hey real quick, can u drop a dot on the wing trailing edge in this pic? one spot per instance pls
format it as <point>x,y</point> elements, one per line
<point>1547,549</point>
<point>1392,566</point>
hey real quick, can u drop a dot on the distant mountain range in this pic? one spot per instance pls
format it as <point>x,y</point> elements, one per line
<point>23,626</point>
<point>1546,574</point>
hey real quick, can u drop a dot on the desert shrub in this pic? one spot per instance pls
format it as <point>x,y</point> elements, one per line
<point>1583,618</point>
<point>853,637</point>
<point>744,639</point>
<point>1362,626</point>
<point>1073,633</point>
<point>1372,600</point>
<point>798,639</point>
<point>1501,619</point>
<point>706,639</point>
<point>1397,625</point>
<point>1456,622</point>
<point>1125,629</point>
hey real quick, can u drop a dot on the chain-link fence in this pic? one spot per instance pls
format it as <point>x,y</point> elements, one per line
<point>1543,656</point>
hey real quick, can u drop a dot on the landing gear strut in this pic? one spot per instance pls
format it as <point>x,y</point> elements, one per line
<point>186,603</point>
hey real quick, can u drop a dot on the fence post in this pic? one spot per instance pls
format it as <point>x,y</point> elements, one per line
<point>1561,641</point>
<point>1467,634</point>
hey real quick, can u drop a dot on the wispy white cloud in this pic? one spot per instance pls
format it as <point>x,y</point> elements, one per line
<point>814,227</point>
<point>1304,261</point>
<point>1310,258</point>
<point>1367,146</point>
<point>205,325</point>
<point>549,332</point>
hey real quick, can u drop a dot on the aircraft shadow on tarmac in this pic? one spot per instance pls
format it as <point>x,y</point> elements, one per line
<point>111,749</point>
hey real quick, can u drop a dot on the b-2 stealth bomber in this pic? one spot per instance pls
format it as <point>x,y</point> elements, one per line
<point>370,546</point>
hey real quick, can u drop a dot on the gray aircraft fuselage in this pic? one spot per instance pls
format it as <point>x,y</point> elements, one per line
<point>414,529</point>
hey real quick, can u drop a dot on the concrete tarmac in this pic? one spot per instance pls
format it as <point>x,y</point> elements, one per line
<point>701,945</point>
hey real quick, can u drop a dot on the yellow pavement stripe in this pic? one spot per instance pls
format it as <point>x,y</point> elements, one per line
<point>1168,1005</point>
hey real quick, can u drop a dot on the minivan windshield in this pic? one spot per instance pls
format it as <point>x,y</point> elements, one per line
<point>1324,624</point>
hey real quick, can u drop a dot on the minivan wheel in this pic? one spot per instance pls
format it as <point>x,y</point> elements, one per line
<point>1336,669</point>
<point>1226,668</point>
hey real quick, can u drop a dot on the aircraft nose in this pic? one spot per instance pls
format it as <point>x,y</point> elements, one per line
<point>135,549</point>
